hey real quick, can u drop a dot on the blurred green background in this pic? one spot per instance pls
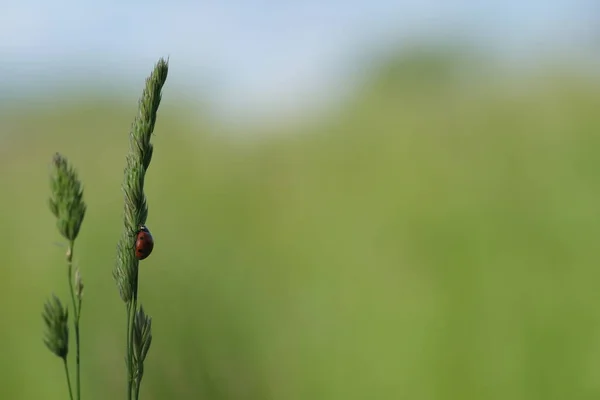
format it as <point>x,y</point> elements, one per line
<point>433,238</point>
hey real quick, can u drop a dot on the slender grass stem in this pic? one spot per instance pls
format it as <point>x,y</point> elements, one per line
<point>68,378</point>
<point>137,389</point>
<point>77,356</point>
<point>130,321</point>
<point>76,311</point>
<point>131,308</point>
<point>134,379</point>
<point>129,350</point>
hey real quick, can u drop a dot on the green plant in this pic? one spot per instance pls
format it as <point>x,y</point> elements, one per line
<point>67,205</point>
<point>139,332</point>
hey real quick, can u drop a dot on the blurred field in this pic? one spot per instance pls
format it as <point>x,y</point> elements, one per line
<point>433,240</point>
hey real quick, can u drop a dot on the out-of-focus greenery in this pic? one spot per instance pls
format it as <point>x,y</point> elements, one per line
<point>433,240</point>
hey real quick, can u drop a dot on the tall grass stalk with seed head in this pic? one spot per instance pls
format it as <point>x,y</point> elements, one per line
<point>67,205</point>
<point>126,271</point>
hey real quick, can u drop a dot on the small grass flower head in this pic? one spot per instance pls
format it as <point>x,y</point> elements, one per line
<point>66,198</point>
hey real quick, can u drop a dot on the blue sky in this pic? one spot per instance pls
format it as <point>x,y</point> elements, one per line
<point>255,55</point>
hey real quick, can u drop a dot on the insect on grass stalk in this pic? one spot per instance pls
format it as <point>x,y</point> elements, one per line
<point>67,205</point>
<point>126,271</point>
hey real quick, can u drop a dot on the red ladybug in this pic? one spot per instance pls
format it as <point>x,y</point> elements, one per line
<point>144,243</point>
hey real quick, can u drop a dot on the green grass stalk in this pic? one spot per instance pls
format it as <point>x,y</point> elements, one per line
<point>126,270</point>
<point>67,205</point>
<point>66,364</point>
<point>77,315</point>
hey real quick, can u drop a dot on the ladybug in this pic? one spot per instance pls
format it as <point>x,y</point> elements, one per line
<point>144,243</point>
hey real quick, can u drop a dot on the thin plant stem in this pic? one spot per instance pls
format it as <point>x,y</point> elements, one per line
<point>130,321</point>
<point>68,378</point>
<point>137,389</point>
<point>78,345</point>
<point>77,309</point>
<point>137,382</point>
<point>129,351</point>
<point>131,307</point>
